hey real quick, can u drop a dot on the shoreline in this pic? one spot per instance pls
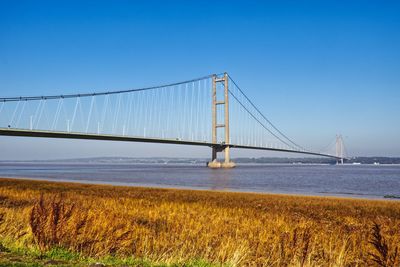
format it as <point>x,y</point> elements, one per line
<point>343,196</point>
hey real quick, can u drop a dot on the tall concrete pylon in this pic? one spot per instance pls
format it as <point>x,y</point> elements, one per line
<point>339,148</point>
<point>224,146</point>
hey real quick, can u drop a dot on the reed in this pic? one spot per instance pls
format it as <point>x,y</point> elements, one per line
<point>178,226</point>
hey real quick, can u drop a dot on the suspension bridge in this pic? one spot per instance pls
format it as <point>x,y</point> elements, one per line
<point>210,111</point>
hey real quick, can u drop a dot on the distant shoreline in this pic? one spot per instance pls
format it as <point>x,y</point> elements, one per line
<point>376,160</point>
<point>198,163</point>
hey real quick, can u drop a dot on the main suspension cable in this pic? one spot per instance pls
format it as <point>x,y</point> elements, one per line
<point>273,126</point>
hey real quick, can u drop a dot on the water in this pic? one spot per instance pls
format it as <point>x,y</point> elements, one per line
<point>367,181</point>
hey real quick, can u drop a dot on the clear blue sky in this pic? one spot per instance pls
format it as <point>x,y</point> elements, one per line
<point>315,68</point>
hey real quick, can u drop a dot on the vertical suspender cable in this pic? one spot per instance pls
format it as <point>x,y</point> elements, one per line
<point>12,117</point>
<point>74,114</point>
<point>20,115</point>
<point>89,115</point>
<point>36,114</point>
<point>40,114</point>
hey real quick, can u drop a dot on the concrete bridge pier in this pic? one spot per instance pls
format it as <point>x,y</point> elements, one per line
<point>227,163</point>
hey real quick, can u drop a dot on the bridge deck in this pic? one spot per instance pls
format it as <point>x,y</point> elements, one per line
<point>106,137</point>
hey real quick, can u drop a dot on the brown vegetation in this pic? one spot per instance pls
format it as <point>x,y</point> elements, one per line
<point>180,225</point>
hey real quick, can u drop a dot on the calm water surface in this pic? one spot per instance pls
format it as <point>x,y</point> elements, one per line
<point>368,181</point>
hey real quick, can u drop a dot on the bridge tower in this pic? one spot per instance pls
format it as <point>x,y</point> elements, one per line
<point>224,146</point>
<point>339,149</point>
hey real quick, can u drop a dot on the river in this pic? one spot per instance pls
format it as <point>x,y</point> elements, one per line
<point>365,181</point>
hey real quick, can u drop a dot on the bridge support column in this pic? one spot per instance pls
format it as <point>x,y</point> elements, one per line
<point>224,146</point>
<point>339,149</point>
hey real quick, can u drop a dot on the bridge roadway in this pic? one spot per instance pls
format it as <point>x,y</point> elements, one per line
<point>107,137</point>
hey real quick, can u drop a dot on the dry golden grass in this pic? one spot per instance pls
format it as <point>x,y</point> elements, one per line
<point>180,225</point>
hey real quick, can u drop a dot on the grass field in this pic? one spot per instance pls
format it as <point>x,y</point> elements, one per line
<point>77,224</point>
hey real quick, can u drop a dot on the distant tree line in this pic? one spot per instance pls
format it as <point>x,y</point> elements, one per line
<point>362,160</point>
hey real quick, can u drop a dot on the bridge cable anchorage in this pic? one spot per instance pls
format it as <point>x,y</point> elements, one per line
<point>247,98</point>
